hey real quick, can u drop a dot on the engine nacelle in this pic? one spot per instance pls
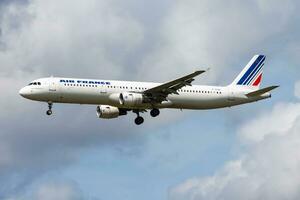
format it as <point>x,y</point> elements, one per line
<point>130,99</point>
<point>107,112</point>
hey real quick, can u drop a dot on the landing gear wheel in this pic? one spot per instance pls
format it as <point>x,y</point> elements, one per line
<point>154,112</point>
<point>139,120</point>
<point>49,112</point>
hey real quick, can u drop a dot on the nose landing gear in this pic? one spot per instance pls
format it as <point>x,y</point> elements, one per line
<point>138,120</point>
<point>49,112</point>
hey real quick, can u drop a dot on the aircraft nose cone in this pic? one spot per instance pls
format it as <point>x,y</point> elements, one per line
<point>24,92</point>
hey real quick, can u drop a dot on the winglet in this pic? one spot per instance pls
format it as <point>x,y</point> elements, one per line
<point>261,91</point>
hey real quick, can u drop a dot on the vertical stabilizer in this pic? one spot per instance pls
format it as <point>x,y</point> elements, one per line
<point>251,75</point>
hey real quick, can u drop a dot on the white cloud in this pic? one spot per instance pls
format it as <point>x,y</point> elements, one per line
<point>268,168</point>
<point>278,122</point>
<point>208,188</point>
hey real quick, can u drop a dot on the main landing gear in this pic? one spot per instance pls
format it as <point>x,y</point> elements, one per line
<point>139,120</point>
<point>154,112</point>
<point>49,112</point>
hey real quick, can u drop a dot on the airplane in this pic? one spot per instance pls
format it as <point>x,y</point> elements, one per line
<point>117,98</point>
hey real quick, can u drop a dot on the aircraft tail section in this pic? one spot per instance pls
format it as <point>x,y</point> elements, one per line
<point>251,75</point>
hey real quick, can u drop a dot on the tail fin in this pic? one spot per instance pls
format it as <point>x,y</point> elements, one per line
<point>252,73</point>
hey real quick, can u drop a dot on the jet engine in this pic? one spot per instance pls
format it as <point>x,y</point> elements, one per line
<point>109,112</point>
<point>130,99</point>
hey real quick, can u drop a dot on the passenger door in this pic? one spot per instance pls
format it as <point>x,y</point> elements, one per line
<point>55,91</point>
<point>52,85</point>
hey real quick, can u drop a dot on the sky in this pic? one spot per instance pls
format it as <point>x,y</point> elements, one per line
<point>246,152</point>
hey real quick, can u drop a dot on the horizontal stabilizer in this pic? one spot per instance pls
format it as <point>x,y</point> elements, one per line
<point>261,91</point>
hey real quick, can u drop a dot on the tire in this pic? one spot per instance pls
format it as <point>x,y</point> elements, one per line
<point>139,120</point>
<point>49,112</point>
<point>154,112</point>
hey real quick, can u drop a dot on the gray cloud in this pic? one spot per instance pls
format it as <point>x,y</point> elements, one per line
<point>96,36</point>
<point>220,35</point>
<point>29,149</point>
<point>89,39</point>
<point>4,4</point>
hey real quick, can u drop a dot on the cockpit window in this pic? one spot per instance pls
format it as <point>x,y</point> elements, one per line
<point>39,83</point>
<point>34,83</point>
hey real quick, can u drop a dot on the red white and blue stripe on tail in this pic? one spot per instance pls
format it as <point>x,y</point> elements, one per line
<point>252,73</point>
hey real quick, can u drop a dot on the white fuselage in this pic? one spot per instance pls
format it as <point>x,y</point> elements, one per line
<point>106,92</point>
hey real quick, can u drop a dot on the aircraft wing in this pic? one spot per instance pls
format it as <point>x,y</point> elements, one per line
<point>159,93</point>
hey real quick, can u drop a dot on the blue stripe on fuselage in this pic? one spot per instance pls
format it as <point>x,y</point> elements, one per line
<point>251,68</point>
